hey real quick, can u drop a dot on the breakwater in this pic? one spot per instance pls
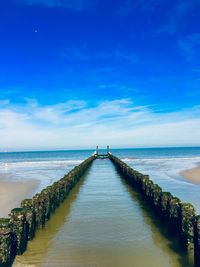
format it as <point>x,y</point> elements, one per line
<point>179,218</point>
<point>103,222</point>
<point>23,221</point>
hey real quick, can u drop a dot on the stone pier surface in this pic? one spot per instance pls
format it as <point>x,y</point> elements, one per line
<point>23,221</point>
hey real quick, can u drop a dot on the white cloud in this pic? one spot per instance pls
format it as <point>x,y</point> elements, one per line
<point>73,124</point>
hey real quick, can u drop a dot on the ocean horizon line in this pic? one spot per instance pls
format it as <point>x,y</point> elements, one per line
<point>92,149</point>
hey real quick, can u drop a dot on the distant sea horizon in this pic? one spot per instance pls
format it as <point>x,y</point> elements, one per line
<point>101,148</point>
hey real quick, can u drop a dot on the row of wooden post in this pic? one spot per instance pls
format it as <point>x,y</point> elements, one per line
<point>178,217</point>
<point>22,223</point>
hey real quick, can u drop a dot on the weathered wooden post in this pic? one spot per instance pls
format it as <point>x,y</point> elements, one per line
<point>38,205</point>
<point>173,214</point>
<point>186,217</point>
<point>97,150</point>
<point>7,243</point>
<point>197,241</point>
<point>156,195</point>
<point>19,228</point>
<point>30,217</point>
<point>108,149</point>
<point>144,181</point>
<point>148,188</point>
<point>47,198</point>
<point>164,207</point>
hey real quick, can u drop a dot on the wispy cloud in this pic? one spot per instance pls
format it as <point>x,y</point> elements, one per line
<point>178,16</point>
<point>76,5</point>
<point>174,14</point>
<point>81,55</point>
<point>76,124</point>
<point>127,7</point>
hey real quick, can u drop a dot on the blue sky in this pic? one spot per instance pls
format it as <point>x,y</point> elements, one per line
<point>77,73</point>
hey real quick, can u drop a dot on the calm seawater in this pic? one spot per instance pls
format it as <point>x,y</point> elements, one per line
<point>103,222</point>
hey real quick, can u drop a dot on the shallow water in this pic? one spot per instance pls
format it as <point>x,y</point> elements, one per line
<point>102,223</point>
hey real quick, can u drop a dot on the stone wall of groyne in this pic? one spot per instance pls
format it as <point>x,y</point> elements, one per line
<point>22,223</point>
<point>178,217</point>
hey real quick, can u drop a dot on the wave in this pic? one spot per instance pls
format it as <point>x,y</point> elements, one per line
<point>44,172</point>
<point>168,169</point>
<point>161,159</point>
<point>35,164</point>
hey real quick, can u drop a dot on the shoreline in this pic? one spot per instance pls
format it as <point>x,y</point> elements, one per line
<point>193,175</point>
<point>13,192</point>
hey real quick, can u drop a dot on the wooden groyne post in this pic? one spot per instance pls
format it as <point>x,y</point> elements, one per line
<point>197,241</point>
<point>22,223</point>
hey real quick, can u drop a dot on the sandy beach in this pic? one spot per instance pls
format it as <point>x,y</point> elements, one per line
<point>13,192</point>
<point>193,175</point>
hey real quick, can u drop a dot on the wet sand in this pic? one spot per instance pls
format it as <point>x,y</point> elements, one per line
<point>13,192</point>
<point>193,175</point>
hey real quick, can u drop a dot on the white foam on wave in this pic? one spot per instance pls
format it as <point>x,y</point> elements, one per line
<point>45,172</point>
<point>175,165</point>
<point>165,170</point>
<point>30,164</point>
<point>161,159</point>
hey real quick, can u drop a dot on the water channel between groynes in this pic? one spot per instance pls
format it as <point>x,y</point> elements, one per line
<point>102,223</point>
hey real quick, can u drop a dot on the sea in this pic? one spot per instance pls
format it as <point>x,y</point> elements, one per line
<point>164,166</point>
<point>104,222</point>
